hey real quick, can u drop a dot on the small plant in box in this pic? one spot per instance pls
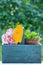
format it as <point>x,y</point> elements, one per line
<point>31,37</point>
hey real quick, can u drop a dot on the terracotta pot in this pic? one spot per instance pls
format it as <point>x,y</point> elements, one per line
<point>32,41</point>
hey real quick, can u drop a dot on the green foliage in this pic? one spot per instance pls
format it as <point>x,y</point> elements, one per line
<point>31,34</point>
<point>27,12</point>
<point>0,52</point>
<point>27,34</point>
<point>20,10</point>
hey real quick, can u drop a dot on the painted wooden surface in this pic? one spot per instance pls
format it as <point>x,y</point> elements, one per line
<point>21,53</point>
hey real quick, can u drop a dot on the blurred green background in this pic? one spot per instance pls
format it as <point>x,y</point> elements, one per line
<point>27,12</point>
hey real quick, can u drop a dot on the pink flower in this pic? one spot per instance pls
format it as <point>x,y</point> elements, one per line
<point>7,37</point>
<point>9,31</point>
<point>4,40</point>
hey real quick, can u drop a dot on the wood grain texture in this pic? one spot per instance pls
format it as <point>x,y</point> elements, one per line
<point>21,54</point>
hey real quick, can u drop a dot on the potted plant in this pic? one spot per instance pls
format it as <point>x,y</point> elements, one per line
<point>31,37</point>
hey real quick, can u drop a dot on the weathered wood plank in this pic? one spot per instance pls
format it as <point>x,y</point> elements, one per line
<point>21,53</point>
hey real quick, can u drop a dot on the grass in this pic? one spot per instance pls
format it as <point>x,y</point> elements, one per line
<point>42,52</point>
<point>1,52</point>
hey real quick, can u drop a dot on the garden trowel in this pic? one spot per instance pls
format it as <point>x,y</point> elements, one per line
<point>18,34</point>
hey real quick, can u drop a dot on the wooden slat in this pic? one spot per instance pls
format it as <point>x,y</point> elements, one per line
<point>21,53</point>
